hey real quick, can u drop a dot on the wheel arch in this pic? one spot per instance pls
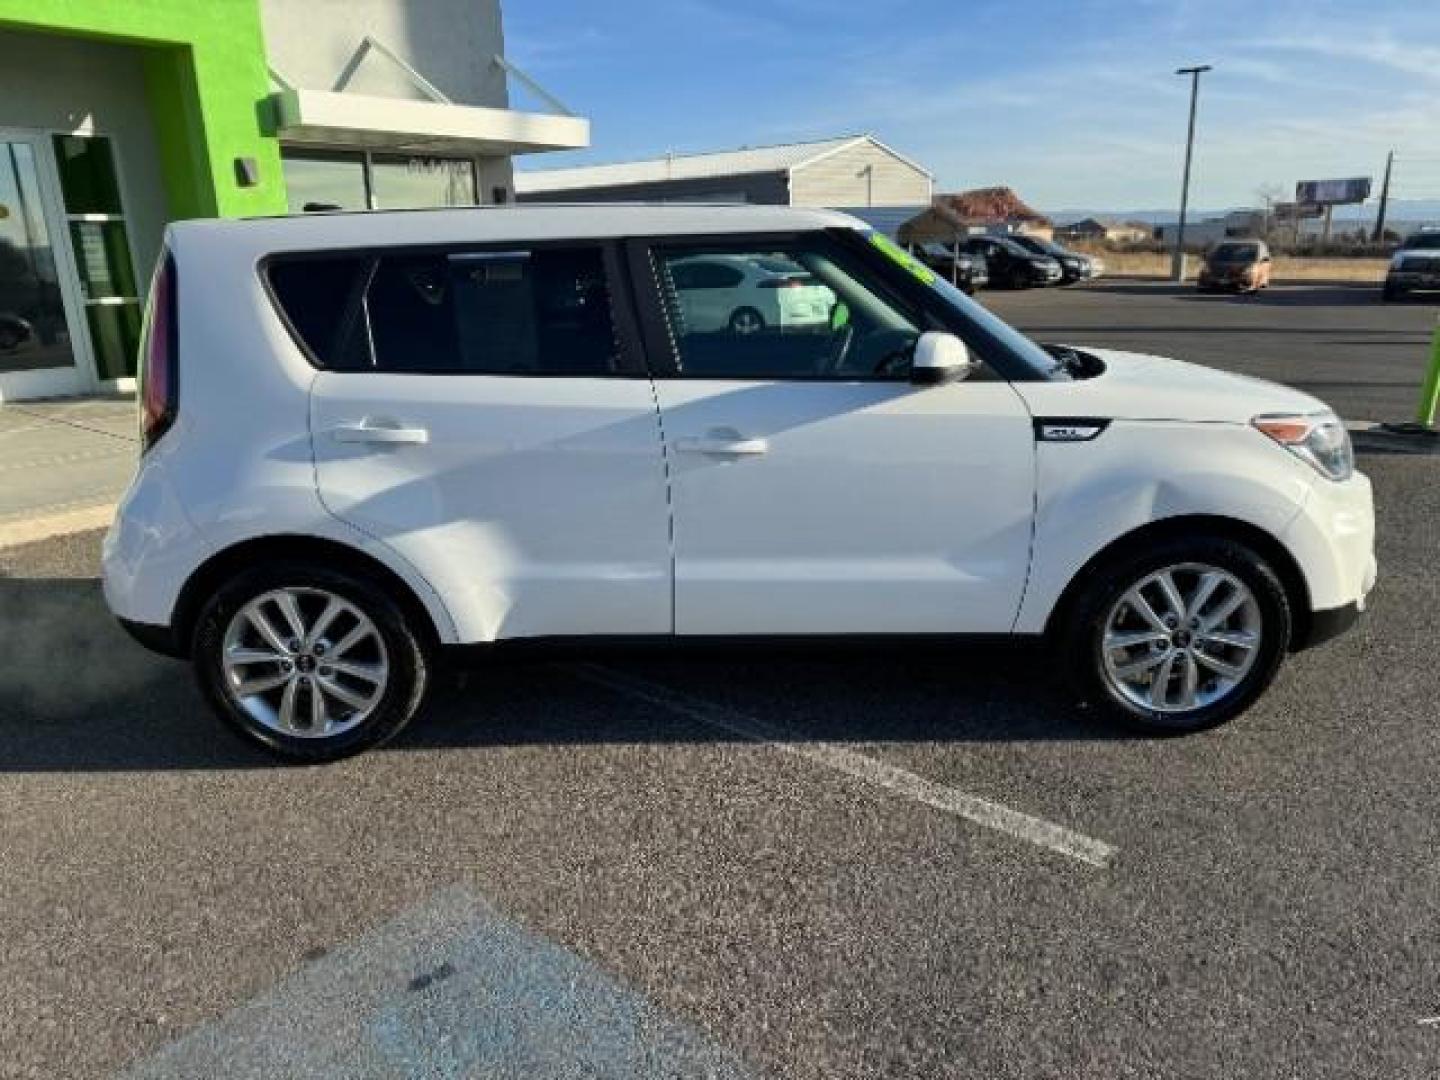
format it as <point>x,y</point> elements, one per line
<point>329,554</point>
<point>1190,526</point>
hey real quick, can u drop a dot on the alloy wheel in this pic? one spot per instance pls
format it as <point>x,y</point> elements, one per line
<point>305,662</point>
<point>1181,638</point>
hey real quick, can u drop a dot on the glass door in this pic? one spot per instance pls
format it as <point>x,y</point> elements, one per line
<point>38,355</point>
<point>100,243</point>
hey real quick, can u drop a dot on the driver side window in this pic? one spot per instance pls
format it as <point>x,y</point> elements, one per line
<point>794,310</point>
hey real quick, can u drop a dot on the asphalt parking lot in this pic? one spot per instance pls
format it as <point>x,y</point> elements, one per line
<point>749,865</point>
<point>1338,342</point>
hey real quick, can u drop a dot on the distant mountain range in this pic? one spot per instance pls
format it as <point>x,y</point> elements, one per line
<point>1400,212</point>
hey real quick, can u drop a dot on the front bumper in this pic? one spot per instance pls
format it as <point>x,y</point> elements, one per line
<point>1401,280</point>
<point>1327,625</point>
<point>1226,281</point>
<point>1333,541</point>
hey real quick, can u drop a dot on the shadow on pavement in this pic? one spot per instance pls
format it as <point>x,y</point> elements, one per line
<point>76,694</point>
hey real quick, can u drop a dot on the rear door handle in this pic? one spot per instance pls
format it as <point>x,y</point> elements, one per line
<point>375,431</point>
<point>724,444</point>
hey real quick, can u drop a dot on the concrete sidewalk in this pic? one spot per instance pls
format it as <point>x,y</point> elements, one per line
<point>63,464</point>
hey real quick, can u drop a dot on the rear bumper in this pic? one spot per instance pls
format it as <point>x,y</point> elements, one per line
<point>156,638</point>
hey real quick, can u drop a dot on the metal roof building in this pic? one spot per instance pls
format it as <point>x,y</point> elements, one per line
<point>852,171</point>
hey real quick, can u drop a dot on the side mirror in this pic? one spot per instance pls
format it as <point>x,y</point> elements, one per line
<point>939,358</point>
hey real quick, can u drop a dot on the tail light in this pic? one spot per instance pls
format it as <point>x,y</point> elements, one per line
<point>159,357</point>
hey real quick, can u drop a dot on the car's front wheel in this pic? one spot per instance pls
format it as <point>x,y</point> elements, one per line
<point>310,663</point>
<point>1180,637</point>
<point>746,320</point>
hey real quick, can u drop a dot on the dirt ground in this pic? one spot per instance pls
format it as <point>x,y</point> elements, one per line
<point>1149,264</point>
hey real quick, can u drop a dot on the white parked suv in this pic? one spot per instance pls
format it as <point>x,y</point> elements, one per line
<point>374,441</point>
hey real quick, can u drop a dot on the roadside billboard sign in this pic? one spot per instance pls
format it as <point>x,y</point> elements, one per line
<point>1290,211</point>
<point>1352,189</point>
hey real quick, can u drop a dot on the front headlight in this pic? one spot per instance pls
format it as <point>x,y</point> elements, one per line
<point>1396,260</point>
<point>1318,438</point>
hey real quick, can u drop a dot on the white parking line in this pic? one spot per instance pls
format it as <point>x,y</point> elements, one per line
<point>972,808</point>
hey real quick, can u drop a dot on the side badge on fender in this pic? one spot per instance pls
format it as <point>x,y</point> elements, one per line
<point>1068,428</point>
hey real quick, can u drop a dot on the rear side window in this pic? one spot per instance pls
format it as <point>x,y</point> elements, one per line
<point>315,295</point>
<point>540,312</point>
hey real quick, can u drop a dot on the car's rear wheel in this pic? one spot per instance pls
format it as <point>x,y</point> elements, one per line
<point>310,663</point>
<point>1181,637</point>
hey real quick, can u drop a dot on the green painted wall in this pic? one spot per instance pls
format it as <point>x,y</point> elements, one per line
<point>206,81</point>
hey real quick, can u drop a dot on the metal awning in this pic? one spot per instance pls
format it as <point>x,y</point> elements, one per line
<point>327,118</point>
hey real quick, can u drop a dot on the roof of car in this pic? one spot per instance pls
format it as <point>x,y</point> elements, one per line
<point>512,222</point>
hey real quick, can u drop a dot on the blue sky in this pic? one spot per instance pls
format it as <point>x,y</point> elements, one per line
<point>1071,102</point>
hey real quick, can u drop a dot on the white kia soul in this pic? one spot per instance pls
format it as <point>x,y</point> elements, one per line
<point>374,439</point>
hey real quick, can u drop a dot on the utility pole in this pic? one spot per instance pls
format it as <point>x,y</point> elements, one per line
<point>1177,263</point>
<point>1384,199</point>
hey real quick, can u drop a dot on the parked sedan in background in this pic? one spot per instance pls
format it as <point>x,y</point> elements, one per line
<point>1236,265</point>
<point>747,295</point>
<point>1415,266</point>
<point>1012,265</point>
<point>1073,266</point>
<point>966,270</point>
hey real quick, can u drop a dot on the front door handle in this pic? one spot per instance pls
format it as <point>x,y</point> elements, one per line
<point>723,442</point>
<point>377,431</point>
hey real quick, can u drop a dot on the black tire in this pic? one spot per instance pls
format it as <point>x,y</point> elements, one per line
<point>746,320</point>
<point>1389,293</point>
<point>408,664</point>
<point>1082,632</point>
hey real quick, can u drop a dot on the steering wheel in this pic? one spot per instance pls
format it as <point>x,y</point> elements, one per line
<point>894,358</point>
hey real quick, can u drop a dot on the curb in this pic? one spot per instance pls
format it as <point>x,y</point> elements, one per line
<point>50,526</point>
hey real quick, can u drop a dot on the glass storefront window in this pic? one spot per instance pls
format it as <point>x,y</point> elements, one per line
<point>400,181</point>
<point>337,180</point>
<point>315,181</point>
<point>115,335</point>
<point>102,255</point>
<point>33,332</point>
<point>87,175</point>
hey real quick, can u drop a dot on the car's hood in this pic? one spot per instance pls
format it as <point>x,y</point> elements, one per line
<point>1138,387</point>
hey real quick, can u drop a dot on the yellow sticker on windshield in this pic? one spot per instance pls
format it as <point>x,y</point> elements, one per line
<point>899,255</point>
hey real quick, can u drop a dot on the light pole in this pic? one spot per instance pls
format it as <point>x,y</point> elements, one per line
<point>1177,262</point>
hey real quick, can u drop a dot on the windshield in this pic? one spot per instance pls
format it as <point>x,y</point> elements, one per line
<point>1013,246</point>
<point>1042,246</point>
<point>1235,253</point>
<point>998,332</point>
<point>1427,241</point>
